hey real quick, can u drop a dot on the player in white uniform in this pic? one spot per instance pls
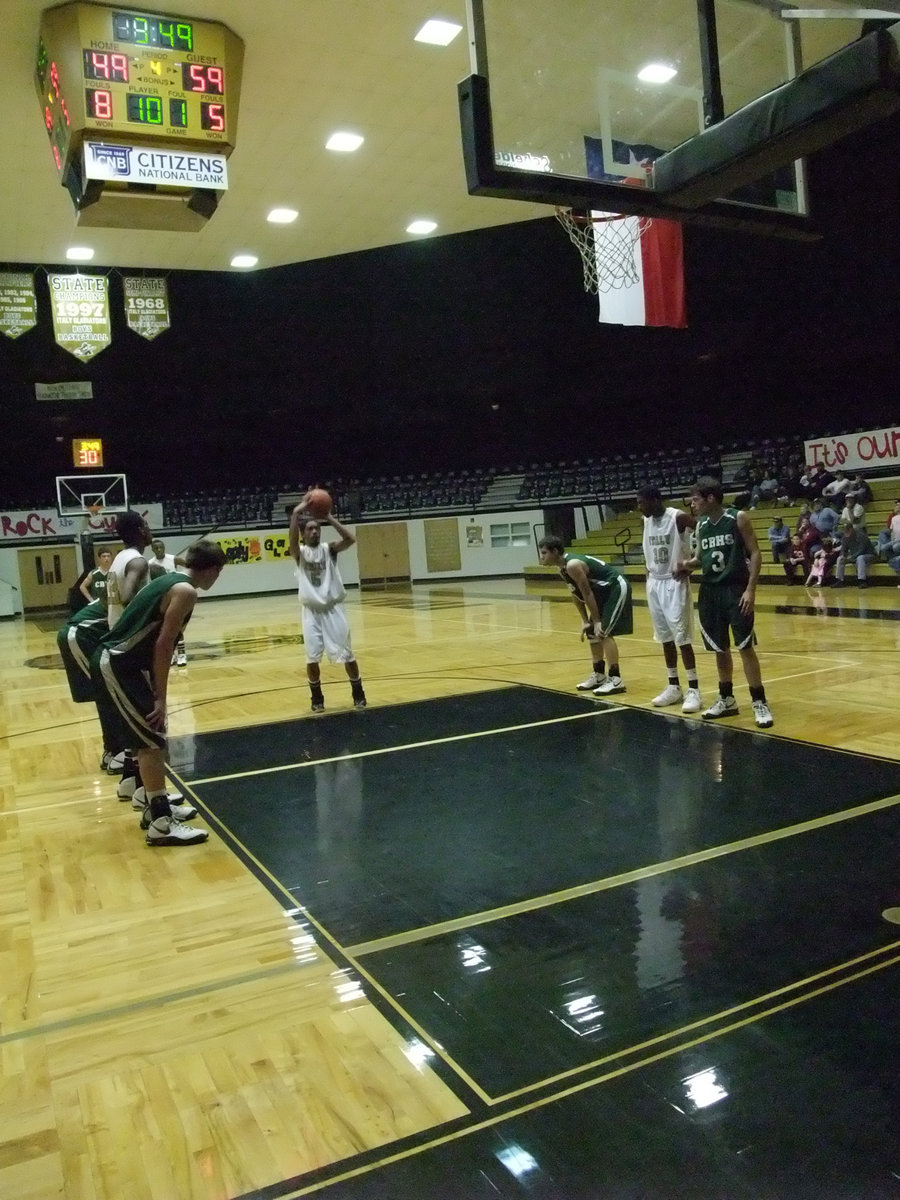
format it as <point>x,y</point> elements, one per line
<point>669,598</point>
<point>326,629</point>
<point>163,564</point>
<point>129,571</point>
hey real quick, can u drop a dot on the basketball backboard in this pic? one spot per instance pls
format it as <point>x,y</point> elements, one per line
<point>576,102</point>
<point>91,495</point>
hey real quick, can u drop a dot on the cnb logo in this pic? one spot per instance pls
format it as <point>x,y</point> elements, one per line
<point>116,159</point>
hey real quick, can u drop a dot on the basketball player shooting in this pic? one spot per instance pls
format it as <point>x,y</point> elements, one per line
<point>326,629</point>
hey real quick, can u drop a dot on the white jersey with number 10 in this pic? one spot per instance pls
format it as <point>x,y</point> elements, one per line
<point>664,544</point>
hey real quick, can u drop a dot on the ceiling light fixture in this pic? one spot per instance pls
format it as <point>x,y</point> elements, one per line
<point>657,73</point>
<point>282,216</point>
<point>244,260</point>
<point>438,33</point>
<point>421,227</point>
<point>79,254</point>
<point>346,142</point>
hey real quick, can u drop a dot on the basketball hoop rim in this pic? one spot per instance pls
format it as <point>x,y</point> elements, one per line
<point>580,218</point>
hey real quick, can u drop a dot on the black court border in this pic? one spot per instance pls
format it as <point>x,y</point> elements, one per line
<point>479,1110</point>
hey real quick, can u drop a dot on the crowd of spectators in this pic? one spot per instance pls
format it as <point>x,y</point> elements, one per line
<point>830,533</point>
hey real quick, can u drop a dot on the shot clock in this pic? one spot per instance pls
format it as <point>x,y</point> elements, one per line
<point>134,77</point>
<point>87,452</point>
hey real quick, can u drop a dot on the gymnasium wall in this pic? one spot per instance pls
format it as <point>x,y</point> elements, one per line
<point>259,561</point>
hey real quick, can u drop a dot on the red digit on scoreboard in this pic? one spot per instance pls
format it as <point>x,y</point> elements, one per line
<point>99,104</point>
<point>212,116</point>
<point>216,80</point>
<point>100,65</point>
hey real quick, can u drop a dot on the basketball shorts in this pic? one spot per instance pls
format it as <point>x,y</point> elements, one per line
<point>77,644</point>
<point>326,633</point>
<point>719,611</point>
<point>671,610</point>
<point>124,700</point>
<point>616,612</point>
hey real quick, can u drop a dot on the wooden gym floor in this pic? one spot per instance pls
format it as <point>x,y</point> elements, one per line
<point>488,938</point>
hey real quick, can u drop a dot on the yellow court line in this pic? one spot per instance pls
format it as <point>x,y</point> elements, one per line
<point>627,1051</point>
<point>443,741</point>
<point>582,1086</point>
<point>331,940</point>
<point>486,916</point>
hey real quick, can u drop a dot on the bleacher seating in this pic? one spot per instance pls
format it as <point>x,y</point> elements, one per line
<point>587,481</point>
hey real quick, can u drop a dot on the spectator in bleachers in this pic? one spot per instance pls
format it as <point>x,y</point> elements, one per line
<point>812,481</point>
<point>823,518</point>
<point>789,489</point>
<point>852,511</point>
<point>888,544</point>
<point>802,516</point>
<point>779,540</point>
<point>855,546</point>
<point>818,568</point>
<point>836,491</point>
<point>859,490</point>
<point>797,559</point>
<point>764,491</point>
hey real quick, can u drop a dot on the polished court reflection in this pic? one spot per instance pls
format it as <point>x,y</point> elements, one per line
<point>556,894</point>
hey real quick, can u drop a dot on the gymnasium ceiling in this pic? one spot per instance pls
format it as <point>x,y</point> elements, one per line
<point>351,64</point>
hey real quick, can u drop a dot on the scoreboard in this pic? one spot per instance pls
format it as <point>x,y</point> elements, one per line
<point>136,76</point>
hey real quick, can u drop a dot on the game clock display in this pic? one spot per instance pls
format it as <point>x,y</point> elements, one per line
<point>115,71</point>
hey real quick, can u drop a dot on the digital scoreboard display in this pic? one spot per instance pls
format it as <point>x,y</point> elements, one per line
<point>133,74</point>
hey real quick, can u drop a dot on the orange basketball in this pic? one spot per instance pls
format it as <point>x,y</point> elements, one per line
<point>318,503</point>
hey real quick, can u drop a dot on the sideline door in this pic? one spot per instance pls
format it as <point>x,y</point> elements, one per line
<point>46,576</point>
<point>383,553</point>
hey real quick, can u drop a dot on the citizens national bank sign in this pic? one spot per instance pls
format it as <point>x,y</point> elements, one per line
<point>146,164</point>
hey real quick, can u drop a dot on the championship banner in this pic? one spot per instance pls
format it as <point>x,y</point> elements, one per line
<point>80,313</point>
<point>146,304</point>
<point>855,451</point>
<point>18,305</point>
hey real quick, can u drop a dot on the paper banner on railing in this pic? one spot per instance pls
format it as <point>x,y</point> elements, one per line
<point>241,550</point>
<point>146,304</point>
<point>18,306</point>
<point>276,546</point>
<point>80,313</point>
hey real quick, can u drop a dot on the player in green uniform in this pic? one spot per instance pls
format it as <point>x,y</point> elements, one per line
<point>602,596</point>
<point>94,586</point>
<point>76,642</point>
<point>728,555</point>
<point>131,672</point>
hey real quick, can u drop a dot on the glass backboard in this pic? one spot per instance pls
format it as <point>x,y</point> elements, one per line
<point>587,92</point>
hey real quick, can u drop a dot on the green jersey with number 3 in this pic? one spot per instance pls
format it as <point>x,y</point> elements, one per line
<point>721,550</point>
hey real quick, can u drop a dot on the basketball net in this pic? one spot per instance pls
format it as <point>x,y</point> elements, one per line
<point>606,243</point>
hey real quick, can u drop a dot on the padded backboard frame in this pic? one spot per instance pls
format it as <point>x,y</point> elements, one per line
<point>538,114</point>
<point>76,493</point>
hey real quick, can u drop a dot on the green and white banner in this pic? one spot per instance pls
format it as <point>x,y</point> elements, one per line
<point>80,313</point>
<point>18,306</point>
<point>146,304</point>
